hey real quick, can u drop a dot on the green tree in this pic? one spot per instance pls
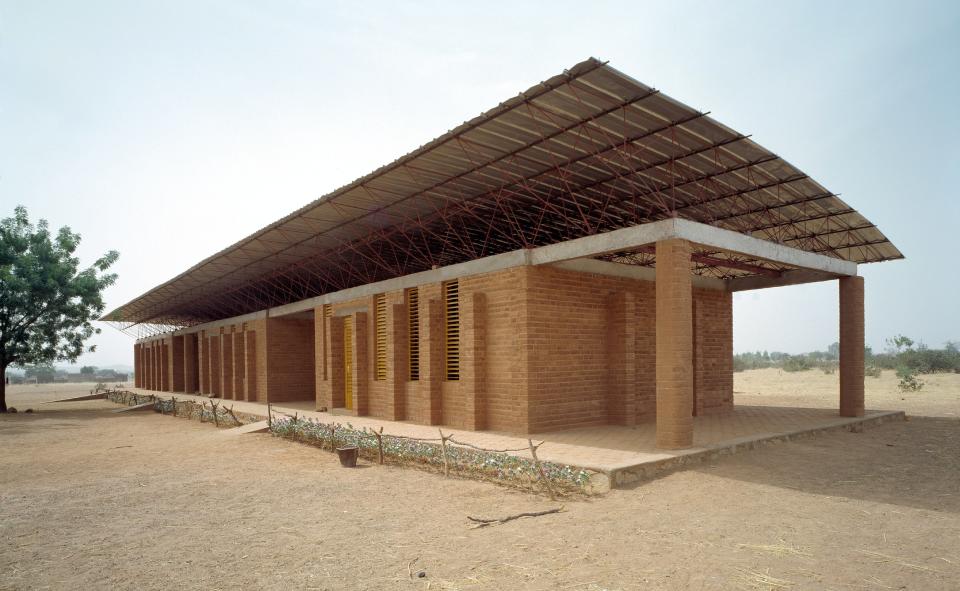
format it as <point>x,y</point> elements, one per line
<point>47,302</point>
<point>88,370</point>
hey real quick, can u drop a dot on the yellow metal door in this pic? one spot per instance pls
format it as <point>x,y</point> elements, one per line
<point>348,363</point>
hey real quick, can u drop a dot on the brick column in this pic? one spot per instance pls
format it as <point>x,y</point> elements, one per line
<point>189,363</point>
<point>226,365</point>
<point>332,395</point>
<point>165,365</point>
<point>203,359</point>
<point>250,365</point>
<point>431,361</point>
<point>214,356</point>
<point>147,367</point>
<point>473,358</point>
<point>176,364</point>
<point>674,345</point>
<point>154,382</point>
<point>361,364</point>
<point>398,368</point>
<point>239,369</point>
<point>851,346</point>
<point>322,383</point>
<point>136,365</point>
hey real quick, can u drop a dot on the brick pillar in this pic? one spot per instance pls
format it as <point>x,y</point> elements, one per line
<point>239,363</point>
<point>136,365</point>
<point>621,359</point>
<point>473,358</point>
<point>214,356</point>
<point>431,362</point>
<point>320,346</point>
<point>250,365</point>
<point>176,364</point>
<point>164,365</point>
<point>361,363</point>
<point>154,382</point>
<point>674,345</point>
<point>189,363</point>
<point>226,365</point>
<point>398,367</point>
<point>147,368</point>
<point>851,346</point>
<point>203,362</point>
<point>333,393</point>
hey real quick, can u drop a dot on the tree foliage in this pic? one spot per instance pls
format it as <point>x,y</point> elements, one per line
<point>47,302</point>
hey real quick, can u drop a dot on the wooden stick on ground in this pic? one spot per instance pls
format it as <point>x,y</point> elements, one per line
<point>235,419</point>
<point>485,522</point>
<point>443,450</point>
<point>543,475</point>
<point>379,436</point>
<point>216,421</point>
<point>269,416</point>
<point>174,400</point>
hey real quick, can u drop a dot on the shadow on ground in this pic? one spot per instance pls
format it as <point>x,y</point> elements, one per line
<point>915,463</point>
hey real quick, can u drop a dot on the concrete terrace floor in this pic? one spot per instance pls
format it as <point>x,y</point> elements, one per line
<point>623,454</point>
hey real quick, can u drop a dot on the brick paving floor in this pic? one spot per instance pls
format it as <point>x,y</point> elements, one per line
<point>602,448</point>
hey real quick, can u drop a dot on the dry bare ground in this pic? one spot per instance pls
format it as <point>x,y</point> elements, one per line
<point>91,500</point>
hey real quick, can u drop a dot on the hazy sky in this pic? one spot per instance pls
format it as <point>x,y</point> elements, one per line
<point>169,130</point>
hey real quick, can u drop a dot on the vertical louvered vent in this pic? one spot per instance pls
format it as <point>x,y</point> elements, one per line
<point>413,311</point>
<point>451,300</point>
<point>380,325</point>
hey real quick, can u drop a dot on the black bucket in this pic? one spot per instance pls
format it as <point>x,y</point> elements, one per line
<point>348,456</point>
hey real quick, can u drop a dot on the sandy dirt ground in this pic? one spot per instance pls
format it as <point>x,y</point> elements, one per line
<point>94,500</point>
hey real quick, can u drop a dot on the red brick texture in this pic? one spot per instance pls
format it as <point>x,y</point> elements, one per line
<point>176,363</point>
<point>541,348</point>
<point>191,364</point>
<point>851,347</point>
<point>289,363</point>
<point>674,349</point>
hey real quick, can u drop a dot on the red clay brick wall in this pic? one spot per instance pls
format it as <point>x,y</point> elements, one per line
<point>494,342</point>
<point>577,358</point>
<point>290,359</point>
<point>712,351</point>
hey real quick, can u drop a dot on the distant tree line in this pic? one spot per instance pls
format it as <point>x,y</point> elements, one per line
<point>901,353</point>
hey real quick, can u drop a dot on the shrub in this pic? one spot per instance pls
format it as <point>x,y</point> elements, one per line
<point>909,382</point>
<point>796,363</point>
<point>872,371</point>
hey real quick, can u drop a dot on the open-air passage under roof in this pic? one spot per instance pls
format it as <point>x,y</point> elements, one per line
<point>585,152</point>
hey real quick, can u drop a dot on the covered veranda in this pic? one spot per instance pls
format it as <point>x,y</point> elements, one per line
<point>590,171</point>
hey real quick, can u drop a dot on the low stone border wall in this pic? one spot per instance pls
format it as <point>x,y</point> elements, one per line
<point>620,477</point>
<point>443,454</point>
<point>216,413</point>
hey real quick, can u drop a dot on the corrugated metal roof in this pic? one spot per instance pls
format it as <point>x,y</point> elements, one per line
<point>587,151</point>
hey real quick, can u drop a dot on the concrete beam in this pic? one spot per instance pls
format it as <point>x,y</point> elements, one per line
<point>635,272</point>
<point>605,243</point>
<point>763,249</point>
<point>796,277</point>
